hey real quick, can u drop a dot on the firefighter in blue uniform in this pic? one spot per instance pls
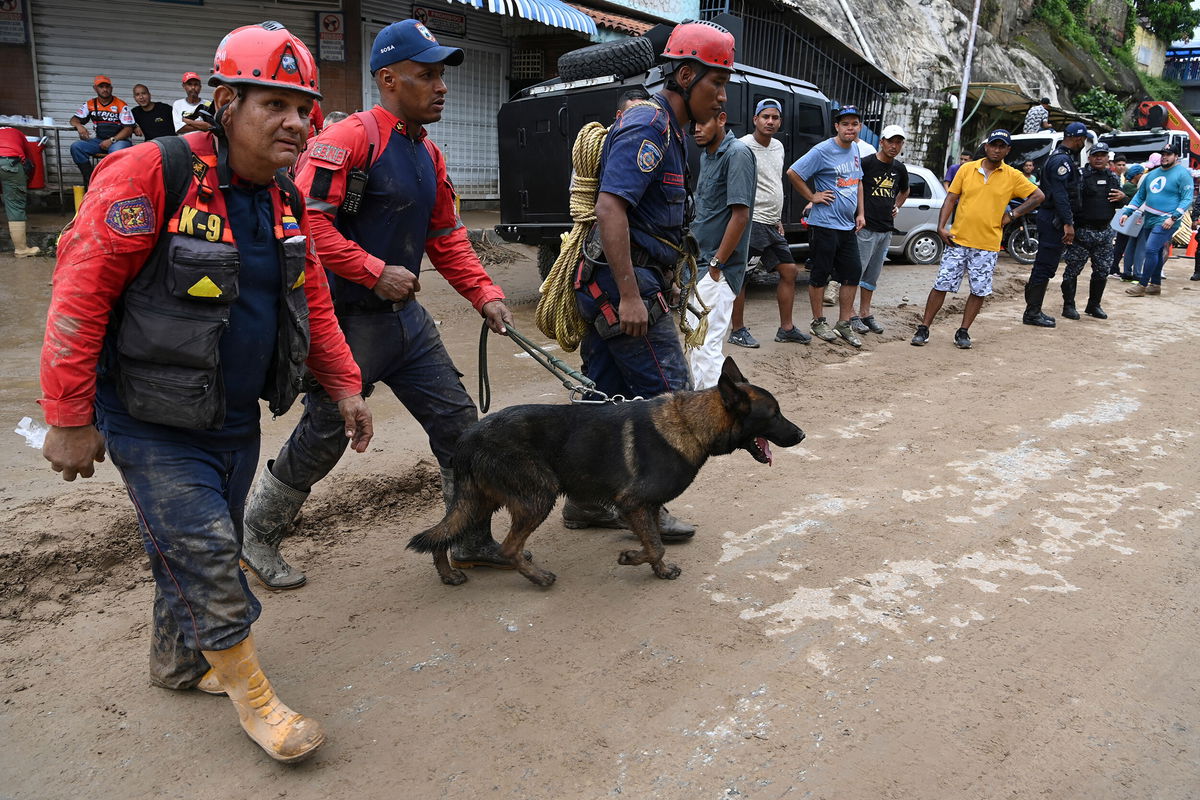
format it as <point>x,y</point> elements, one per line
<point>1055,220</point>
<point>632,347</point>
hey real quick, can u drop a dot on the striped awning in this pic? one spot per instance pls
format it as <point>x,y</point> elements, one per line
<point>554,13</point>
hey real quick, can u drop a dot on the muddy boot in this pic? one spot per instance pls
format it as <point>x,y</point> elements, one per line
<point>21,248</point>
<point>211,684</point>
<point>1068,293</point>
<point>590,515</point>
<point>478,549</point>
<point>1034,294</point>
<point>1095,292</point>
<point>672,529</point>
<point>269,512</point>
<point>285,735</point>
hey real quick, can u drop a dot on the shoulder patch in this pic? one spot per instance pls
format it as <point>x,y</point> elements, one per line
<point>330,154</point>
<point>1063,169</point>
<point>649,156</point>
<point>131,216</point>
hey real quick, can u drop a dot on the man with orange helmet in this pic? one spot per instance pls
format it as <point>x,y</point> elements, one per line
<point>632,347</point>
<point>186,290</point>
<point>381,200</point>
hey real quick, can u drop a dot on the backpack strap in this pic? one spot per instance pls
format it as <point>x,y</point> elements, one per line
<point>289,190</point>
<point>177,173</point>
<point>371,126</point>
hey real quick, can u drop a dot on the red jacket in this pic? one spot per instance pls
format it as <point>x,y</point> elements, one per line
<point>105,247</point>
<point>342,147</point>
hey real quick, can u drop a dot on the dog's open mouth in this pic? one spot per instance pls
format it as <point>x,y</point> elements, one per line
<point>760,449</point>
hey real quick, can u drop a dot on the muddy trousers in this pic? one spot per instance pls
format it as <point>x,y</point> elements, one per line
<point>189,502</point>
<point>402,350</point>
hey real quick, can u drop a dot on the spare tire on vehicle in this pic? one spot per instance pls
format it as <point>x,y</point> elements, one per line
<point>623,58</point>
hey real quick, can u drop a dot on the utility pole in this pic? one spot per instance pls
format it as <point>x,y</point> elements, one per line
<point>955,142</point>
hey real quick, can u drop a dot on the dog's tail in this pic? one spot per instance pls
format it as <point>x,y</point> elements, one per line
<point>453,527</point>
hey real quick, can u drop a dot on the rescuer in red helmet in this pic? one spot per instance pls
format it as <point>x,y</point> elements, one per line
<point>186,290</point>
<point>632,347</point>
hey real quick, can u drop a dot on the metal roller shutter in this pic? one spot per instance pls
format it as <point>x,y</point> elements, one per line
<point>477,88</point>
<point>135,41</point>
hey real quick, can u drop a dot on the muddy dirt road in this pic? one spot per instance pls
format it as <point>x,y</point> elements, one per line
<point>977,578</point>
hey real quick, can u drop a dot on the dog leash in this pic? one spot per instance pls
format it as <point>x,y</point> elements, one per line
<point>581,389</point>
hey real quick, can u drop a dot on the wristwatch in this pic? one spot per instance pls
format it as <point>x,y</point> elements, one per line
<point>715,263</point>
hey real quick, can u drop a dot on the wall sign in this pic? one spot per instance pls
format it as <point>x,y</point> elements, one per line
<point>13,29</point>
<point>441,21</point>
<point>331,36</point>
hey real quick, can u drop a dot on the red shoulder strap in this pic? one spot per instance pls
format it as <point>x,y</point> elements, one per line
<point>371,126</point>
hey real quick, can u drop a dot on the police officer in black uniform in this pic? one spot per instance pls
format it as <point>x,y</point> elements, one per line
<point>1100,195</point>
<point>1055,220</point>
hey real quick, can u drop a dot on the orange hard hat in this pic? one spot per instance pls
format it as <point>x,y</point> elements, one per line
<point>703,41</point>
<point>266,54</point>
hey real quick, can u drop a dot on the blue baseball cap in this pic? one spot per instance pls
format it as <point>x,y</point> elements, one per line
<point>1134,170</point>
<point>409,40</point>
<point>1075,129</point>
<point>999,135</point>
<point>1099,147</point>
<point>846,111</point>
<point>767,103</point>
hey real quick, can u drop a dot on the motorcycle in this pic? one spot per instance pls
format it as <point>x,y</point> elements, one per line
<point>1020,239</point>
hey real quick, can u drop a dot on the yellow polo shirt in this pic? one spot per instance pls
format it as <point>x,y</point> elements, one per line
<point>982,199</point>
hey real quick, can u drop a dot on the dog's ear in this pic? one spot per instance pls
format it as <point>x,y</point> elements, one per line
<point>734,398</point>
<point>731,369</point>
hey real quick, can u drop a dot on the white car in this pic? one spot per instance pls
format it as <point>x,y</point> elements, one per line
<point>916,238</point>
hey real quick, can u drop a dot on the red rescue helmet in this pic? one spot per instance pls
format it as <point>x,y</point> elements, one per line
<point>703,41</point>
<point>266,54</point>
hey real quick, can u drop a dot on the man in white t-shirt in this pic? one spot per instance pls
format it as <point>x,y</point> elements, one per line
<point>186,105</point>
<point>766,227</point>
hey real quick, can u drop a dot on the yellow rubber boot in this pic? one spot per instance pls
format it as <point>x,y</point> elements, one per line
<point>211,684</point>
<point>21,249</point>
<point>284,734</point>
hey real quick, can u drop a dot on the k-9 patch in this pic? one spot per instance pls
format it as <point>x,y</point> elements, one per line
<point>132,216</point>
<point>649,156</point>
<point>330,154</point>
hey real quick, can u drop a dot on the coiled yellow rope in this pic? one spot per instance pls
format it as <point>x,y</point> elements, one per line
<point>557,313</point>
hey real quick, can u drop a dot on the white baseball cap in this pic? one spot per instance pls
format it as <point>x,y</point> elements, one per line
<point>893,130</point>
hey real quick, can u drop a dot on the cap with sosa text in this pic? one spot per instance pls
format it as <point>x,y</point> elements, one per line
<point>409,40</point>
<point>99,79</point>
<point>767,103</point>
<point>189,76</point>
<point>999,135</point>
<point>892,131</point>
<point>1076,129</point>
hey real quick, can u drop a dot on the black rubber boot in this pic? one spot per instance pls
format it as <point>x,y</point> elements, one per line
<point>1095,292</point>
<point>1035,293</point>
<point>86,171</point>
<point>479,549</point>
<point>1068,292</point>
<point>269,514</point>
<point>600,515</point>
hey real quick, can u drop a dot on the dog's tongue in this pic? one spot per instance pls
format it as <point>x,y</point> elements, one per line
<point>765,447</point>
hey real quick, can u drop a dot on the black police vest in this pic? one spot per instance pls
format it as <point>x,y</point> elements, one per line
<point>172,317</point>
<point>1095,208</point>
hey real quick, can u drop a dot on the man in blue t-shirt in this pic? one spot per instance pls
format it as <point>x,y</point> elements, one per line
<point>830,177</point>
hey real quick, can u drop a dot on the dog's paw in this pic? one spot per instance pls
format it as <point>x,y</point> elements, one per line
<point>542,577</point>
<point>455,577</point>
<point>631,557</point>
<point>667,571</point>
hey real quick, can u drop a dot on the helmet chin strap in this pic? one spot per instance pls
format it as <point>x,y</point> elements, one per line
<point>686,91</point>
<point>224,173</point>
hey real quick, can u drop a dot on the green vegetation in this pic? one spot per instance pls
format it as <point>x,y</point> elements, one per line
<point>1160,88</point>
<point>1064,17</point>
<point>1104,106</point>
<point>1169,20</point>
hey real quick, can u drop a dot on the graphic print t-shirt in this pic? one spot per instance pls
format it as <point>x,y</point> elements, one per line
<point>829,167</point>
<point>882,183</point>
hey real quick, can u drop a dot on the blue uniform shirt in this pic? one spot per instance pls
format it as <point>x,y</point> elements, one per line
<point>1061,183</point>
<point>643,162</point>
<point>393,220</point>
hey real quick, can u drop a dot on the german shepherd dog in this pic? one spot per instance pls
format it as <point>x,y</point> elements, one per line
<point>636,455</point>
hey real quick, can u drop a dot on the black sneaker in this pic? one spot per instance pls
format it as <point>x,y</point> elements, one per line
<point>872,325</point>
<point>1195,276</point>
<point>921,336</point>
<point>793,334</point>
<point>962,339</point>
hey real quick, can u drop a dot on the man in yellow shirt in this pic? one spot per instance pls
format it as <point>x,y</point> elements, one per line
<point>981,191</point>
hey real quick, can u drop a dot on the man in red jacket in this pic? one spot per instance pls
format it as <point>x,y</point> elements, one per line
<point>187,289</point>
<point>380,199</point>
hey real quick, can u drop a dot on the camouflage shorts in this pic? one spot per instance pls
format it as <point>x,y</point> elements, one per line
<point>977,265</point>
